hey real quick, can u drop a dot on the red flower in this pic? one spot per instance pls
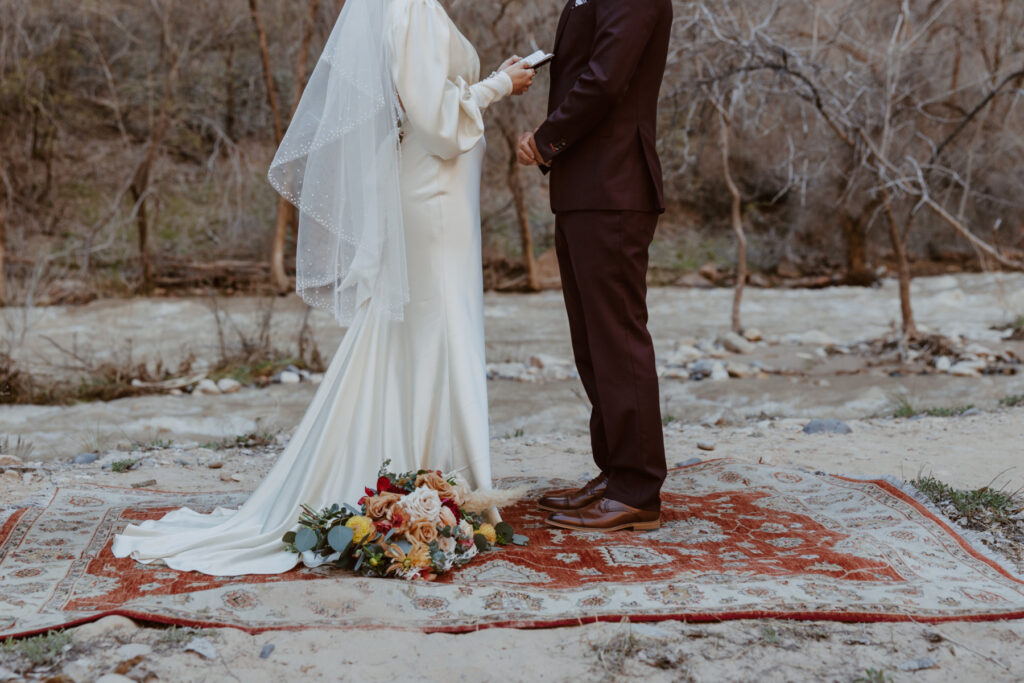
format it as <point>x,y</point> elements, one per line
<point>450,504</point>
<point>384,485</point>
<point>383,526</point>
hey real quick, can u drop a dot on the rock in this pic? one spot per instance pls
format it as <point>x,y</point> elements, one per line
<point>505,370</point>
<point>203,647</point>
<point>709,271</point>
<point>85,458</point>
<point>229,386</point>
<point>706,445</point>
<point>266,651</point>
<point>740,370</point>
<point>719,373</point>
<point>542,361</point>
<point>78,670</point>
<point>965,369</point>
<point>753,335</point>
<point>827,426</point>
<point>132,650</point>
<point>228,477</point>
<point>288,377</point>
<point>216,465</point>
<point>11,461</point>
<point>107,626</point>
<point>683,354</point>
<point>650,631</point>
<point>812,337</point>
<point>316,377</point>
<point>694,280</point>
<point>736,344</point>
<point>207,387</point>
<point>12,476</point>
<point>918,664</point>
<point>691,461</point>
<point>293,369</point>
<point>114,678</point>
<point>943,363</point>
<point>144,484</point>
<point>971,412</point>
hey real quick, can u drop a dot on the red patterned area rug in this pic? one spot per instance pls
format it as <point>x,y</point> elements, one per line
<point>738,540</point>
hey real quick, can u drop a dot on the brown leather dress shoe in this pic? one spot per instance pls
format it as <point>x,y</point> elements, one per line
<point>574,500</point>
<point>606,515</point>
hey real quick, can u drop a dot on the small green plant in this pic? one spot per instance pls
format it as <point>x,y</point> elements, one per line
<point>954,411</point>
<point>968,503</point>
<point>873,676</point>
<point>39,650</point>
<point>770,636</point>
<point>667,420</point>
<point>1012,401</point>
<point>250,440</point>
<point>122,465</point>
<point>177,635</point>
<point>904,408</point>
<point>154,445</point>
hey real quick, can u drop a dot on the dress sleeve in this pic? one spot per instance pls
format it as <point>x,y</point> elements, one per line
<point>447,115</point>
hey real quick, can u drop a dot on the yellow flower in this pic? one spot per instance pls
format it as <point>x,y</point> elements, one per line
<point>362,528</point>
<point>488,532</point>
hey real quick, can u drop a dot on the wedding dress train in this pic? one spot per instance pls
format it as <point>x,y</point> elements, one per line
<point>412,391</point>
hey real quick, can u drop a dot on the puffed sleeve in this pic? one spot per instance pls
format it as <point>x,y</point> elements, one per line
<point>446,115</point>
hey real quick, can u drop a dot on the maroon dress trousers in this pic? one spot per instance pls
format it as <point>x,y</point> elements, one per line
<point>606,191</point>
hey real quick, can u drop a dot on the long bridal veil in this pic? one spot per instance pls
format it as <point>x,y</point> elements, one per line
<point>339,165</point>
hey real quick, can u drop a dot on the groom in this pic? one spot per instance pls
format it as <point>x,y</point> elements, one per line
<point>598,143</point>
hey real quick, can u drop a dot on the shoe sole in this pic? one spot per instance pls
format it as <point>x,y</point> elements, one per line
<point>635,526</point>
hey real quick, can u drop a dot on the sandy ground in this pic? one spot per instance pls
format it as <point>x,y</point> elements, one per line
<point>539,428</point>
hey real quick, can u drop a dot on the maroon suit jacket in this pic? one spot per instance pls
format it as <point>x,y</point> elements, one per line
<point>600,135</point>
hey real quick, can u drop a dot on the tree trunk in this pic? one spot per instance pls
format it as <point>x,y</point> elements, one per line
<point>230,113</point>
<point>140,181</point>
<point>737,226</point>
<point>3,243</point>
<point>515,186</point>
<point>899,247</point>
<point>268,74</point>
<point>286,214</point>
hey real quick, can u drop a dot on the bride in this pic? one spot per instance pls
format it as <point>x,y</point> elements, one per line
<point>383,160</point>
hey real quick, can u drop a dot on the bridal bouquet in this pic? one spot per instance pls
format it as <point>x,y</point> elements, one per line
<point>416,525</point>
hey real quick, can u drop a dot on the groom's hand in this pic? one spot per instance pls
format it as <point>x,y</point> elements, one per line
<point>527,152</point>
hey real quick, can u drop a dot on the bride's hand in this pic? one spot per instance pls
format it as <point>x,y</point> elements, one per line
<point>521,75</point>
<point>509,62</point>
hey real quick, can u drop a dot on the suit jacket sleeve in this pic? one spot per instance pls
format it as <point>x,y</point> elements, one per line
<point>621,31</point>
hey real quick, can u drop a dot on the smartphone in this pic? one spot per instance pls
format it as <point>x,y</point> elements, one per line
<point>538,59</point>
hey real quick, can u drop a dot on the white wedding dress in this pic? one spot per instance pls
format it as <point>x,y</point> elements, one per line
<point>413,391</point>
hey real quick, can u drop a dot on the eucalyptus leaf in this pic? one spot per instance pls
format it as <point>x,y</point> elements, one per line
<point>289,538</point>
<point>406,546</point>
<point>340,537</point>
<point>481,542</point>
<point>519,539</point>
<point>504,533</point>
<point>306,539</point>
<point>359,562</point>
<point>353,510</point>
